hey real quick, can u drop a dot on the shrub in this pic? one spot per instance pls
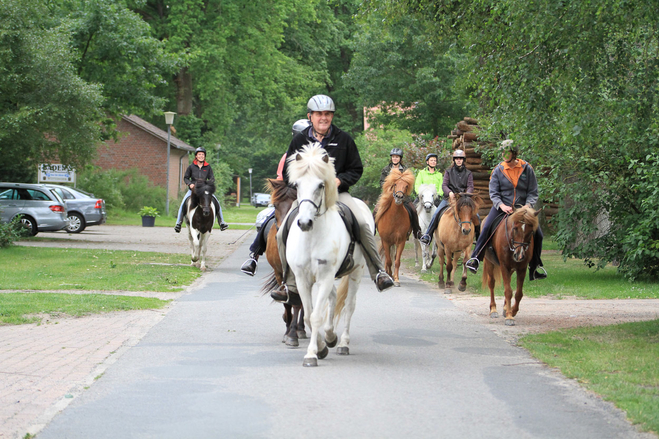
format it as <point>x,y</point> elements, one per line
<point>10,232</point>
<point>148,211</point>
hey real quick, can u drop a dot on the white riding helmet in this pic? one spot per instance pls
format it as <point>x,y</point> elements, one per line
<point>300,126</point>
<point>321,103</point>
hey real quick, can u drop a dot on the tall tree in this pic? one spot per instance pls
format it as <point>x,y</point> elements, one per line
<point>47,110</point>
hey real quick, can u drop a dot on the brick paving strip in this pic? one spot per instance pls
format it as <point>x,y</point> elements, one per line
<point>43,367</point>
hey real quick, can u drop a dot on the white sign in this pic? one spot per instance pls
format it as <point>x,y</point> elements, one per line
<point>53,173</point>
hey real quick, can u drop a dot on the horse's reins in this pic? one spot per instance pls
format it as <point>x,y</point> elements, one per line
<point>457,220</point>
<point>317,206</point>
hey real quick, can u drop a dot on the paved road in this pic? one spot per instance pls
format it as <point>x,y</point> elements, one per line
<point>215,367</point>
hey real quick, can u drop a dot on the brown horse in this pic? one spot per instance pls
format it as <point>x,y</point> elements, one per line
<point>454,237</point>
<point>392,219</point>
<point>282,197</point>
<point>512,243</point>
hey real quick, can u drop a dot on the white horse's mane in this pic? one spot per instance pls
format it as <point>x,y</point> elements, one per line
<point>311,161</point>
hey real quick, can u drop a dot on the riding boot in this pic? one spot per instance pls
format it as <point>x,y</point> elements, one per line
<point>220,219</point>
<point>426,238</point>
<point>177,228</point>
<point>250,265</point>
<point>375,266</point>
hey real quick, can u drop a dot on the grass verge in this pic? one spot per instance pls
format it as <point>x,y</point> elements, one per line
<point>41,268</point>
<point>618,362</point>
<point>569,278</point>
<point>21,308</point>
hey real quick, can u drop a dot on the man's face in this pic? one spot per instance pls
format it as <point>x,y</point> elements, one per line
<point>432,162</point>
<point>395,159</point>
<point>321,120</point>
<point>507,156</point>
<point>200,157</point>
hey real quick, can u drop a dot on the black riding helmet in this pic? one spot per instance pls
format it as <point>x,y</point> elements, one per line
<point>396,151</point>
<point>200,149</point>
<point>432,154</point>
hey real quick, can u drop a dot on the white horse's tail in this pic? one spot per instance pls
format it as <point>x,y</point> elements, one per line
<point>341,294</point>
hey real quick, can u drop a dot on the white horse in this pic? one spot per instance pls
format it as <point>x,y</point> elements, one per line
<point>316,247</point>
<point>425,208</point>
<point>200,218</point>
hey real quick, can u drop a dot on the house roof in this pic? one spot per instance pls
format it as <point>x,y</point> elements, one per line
<point>157,132</point>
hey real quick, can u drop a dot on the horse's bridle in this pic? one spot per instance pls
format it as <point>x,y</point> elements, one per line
<point>512,244</point>
<point>457,219</point>
<point>396,193</point>
<point>317,206</point>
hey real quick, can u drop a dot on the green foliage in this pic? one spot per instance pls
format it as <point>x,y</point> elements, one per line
<point>10,232</point>
<point>148,211</point>
<point>401,67</point>
<point>47,110</point>
<point>575,84</point>
<point>128,190</point>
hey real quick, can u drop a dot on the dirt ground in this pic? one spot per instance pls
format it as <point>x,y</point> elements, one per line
<point>535,315</point>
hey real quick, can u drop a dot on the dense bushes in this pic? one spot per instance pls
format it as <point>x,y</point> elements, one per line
<point>10,232</point>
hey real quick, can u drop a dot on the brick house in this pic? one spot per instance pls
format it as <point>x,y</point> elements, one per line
<point>139,140</point>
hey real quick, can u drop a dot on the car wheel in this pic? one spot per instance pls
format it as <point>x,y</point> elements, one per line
<point>76,223</point>
<point>30,224</point>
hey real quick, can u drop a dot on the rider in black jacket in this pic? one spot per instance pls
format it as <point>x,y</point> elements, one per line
<point>199,170</point>
<point>349,168</point>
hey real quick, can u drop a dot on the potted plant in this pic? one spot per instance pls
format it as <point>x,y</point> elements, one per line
<point>148,215</point>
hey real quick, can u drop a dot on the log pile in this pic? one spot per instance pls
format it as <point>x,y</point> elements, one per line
<point>465,137</point>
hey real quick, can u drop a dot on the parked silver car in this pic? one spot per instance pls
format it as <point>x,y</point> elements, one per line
<point>260,199</point>
<point>84,209</point>
<point>40,208</point>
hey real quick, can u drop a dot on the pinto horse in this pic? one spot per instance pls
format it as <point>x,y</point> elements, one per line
<point>317,245</point>
<point>200,218</point>
<point>512,250</point>
<point>392,219</point>
<point>454,237</point>
<point>282,196</point>
<point>425,208</point>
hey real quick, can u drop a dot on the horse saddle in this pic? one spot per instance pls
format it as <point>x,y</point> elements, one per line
<point>489,249</point>
<point>352,226</point>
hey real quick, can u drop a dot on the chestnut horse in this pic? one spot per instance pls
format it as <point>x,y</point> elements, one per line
<point>392,219</point>
<point>282,197</point>
<point>454,237</point>
<point>512,243</point>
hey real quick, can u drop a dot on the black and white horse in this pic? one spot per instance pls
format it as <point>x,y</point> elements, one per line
<point>200,218</point>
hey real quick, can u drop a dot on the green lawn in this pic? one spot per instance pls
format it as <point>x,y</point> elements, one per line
<point>618,362</point>
<point>40,268</point>
<point>21,308</point>
<point>569,278</point>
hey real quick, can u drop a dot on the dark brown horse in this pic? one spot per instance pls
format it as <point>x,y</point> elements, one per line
<point>512,243</point>
<point>393,220</point>
<point>282,197</point>
<point>454,237</point>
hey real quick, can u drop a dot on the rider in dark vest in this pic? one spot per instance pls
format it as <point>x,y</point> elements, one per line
<point>457,179</point>
<point>349,168</point>
<point>199,170</point>
<point>512,184</point>
<point>258,246</point>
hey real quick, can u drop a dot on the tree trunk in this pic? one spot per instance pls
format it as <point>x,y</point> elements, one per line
<point>183,82</point>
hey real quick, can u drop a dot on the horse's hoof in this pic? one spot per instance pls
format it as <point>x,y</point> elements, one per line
<point>202,268</point>
<point>343,350</point>
<point>331,344</point>
<point>510,322</point>
<point>323,353</point>
<point>494,315</point>
<point>416,265</point>
<point>424,270</point>
<point>462,287</point>
<point>396,283</point>
<point>449,284</point>
<point>448,291</point>
<point>302,335</point>
<point>310,362</point>
<point>440,285</point>
<point>292,342</point>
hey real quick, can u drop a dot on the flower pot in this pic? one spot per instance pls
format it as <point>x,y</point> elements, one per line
<point>148,221</point>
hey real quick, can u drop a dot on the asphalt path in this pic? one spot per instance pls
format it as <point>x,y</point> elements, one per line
<point>215,367</point>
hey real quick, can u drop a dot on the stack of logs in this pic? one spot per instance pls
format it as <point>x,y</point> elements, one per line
<point>465,137</point>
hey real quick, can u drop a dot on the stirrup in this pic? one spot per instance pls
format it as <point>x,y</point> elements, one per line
<point>281,294</point>
<point>470,267</point>
<point>250,266</point>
